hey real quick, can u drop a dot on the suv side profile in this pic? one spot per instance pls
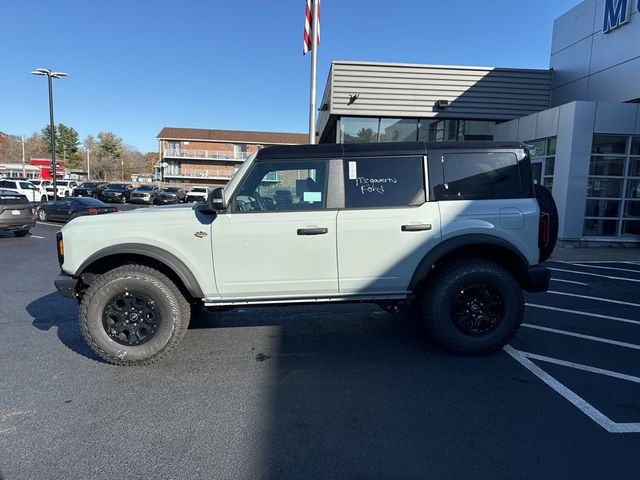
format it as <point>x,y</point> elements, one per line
<point>453,229</point>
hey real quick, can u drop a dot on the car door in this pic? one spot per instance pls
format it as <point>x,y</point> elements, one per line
<point>387,226</point>
<point>262,251</point>
<point>60,210</point>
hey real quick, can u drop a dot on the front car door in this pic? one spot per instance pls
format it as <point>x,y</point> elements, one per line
<point>387,226</point>
<point>265,249</point>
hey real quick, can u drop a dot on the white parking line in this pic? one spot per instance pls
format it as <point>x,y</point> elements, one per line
<point>588,297</point>
<point>595,275</point>
<point>585,337</point>
<point>601,267</point>
<point>586,368</point>
<point>35,236</point>
<point>584,314</point>
<point>49,224</point>
<point>575,399</point>
<point>569,281</point>
<point>597,261</point>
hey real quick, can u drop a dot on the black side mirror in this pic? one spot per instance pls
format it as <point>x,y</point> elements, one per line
<point>216,200</point>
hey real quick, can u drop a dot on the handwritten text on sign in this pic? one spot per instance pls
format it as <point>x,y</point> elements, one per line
<point>373,185</point>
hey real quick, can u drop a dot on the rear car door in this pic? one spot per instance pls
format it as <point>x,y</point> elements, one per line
<point>263,249</point>
<point>388,223</point>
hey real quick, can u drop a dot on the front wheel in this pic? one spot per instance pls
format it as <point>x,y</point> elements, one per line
<point>133,315</point>
<point>472,307</point>
<point>42,215</point>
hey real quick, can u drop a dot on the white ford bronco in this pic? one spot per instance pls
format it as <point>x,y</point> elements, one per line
<point>453,230</point>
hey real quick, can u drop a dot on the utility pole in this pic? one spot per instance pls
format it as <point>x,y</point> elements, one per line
<point>24,169</point>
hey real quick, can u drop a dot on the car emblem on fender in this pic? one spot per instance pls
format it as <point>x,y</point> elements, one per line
<point>200,234</point>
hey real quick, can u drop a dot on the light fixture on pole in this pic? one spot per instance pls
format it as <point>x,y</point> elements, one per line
<point>52,128</point>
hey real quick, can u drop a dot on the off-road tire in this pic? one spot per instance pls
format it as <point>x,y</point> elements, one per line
<point>174,310</point>
<point>21,233</point>
<point>548,205</point>
<point>42,215</point>
<point>437,300</point>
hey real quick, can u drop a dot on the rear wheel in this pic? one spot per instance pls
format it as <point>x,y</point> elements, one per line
<point>42,215</point>
<point>133,315</point>
<point>548,205</point>
<point>21,233</point>
<point>472,307</point>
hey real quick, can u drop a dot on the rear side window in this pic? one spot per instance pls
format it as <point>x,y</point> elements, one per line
<point>482,175</point>
<point>384,182</point>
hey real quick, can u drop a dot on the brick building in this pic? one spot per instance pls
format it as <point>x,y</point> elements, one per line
<point>192,156</point>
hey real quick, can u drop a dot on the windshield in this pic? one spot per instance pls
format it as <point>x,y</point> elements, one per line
<point>145,188</point>
<point>171,190</point>
<point>90,202</point>
<point>199,190</point>
<point>62,184</point>
<point>117,186</point>
<point>89,185</point>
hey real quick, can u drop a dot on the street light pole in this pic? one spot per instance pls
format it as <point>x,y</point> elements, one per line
<point>52,129</point>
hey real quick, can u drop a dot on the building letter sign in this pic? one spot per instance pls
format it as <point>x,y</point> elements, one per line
<point>616,13</point>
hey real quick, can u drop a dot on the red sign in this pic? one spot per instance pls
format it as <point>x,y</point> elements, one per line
<point>46,172</point>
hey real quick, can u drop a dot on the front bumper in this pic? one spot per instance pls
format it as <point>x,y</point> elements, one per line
<point>66,285</point>
<point>536,279</point>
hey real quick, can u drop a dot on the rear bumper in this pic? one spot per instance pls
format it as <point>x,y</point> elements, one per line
<point>17,225</point>
<point>536,279</point>
<point>66,285</point>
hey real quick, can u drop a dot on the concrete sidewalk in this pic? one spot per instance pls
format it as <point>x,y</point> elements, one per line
<point>607,254</point>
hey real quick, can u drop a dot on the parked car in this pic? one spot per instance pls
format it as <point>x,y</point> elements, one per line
<point>65,188</point>
<point>197,194</point>
<point>89,189</point>
<point>69,208</point>
<point>456,231</point>
<point>171,195</point>
<point>116,192</point>
<point>145,194</point>
<point>17,215</point>
<point>42,185</point>
<point>26,188</point>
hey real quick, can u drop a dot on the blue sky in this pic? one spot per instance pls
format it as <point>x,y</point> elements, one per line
<point>138,66</point>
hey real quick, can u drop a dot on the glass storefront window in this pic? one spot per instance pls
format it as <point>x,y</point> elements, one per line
<point>632,209</point>
<point>551,146</point>
<point>537,148</point>
<point>607,166</point>
<point>358,130</point>
<point>398,130</point>
<point>633,188</point>
<point>634,167</point>
<point>631,227</point>
<point>609,144</point>
<point>635,146</point>
<point>602,208</point>
<point>604,187</point>
<point>600,228</point>
<point>549,165</point>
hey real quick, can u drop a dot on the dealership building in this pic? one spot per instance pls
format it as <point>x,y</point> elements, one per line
<point>581,117</point>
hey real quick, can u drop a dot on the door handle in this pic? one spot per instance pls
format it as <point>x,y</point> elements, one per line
<point>419,227</point>
<point>312,231</point>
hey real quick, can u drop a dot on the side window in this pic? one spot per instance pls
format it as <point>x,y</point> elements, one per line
<point>384,182</point>
<point>478,176</point>
<point>283,185</point>
<point>64,204</point>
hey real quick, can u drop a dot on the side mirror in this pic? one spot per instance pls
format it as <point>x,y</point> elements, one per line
<point>216,200</point>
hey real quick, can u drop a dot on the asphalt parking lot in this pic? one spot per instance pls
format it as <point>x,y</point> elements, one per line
<point>323,392</point>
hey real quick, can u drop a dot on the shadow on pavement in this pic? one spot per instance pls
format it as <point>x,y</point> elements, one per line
<point>53,310</point>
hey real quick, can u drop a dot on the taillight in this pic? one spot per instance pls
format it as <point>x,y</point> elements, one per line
<point>33,210</point>
<point>114,209</point>
<point>543,230</point>
<point>93,211</point>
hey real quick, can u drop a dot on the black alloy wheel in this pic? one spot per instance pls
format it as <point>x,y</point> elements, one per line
<point>477,310</point>
<point>131,318</point>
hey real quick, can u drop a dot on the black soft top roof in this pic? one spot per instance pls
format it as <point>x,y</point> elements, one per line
<point>340,150</point>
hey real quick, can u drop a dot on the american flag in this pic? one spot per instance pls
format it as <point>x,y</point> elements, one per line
<point>308,22</point>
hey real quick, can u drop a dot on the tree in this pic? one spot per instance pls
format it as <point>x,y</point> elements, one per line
<point>67,144</point>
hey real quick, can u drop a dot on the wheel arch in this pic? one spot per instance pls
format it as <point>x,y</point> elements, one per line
<point>149,255</point>
<point>471,245</point>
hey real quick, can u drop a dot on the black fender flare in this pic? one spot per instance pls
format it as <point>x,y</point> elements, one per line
<point>156,253</point>
<point>448,246</point>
